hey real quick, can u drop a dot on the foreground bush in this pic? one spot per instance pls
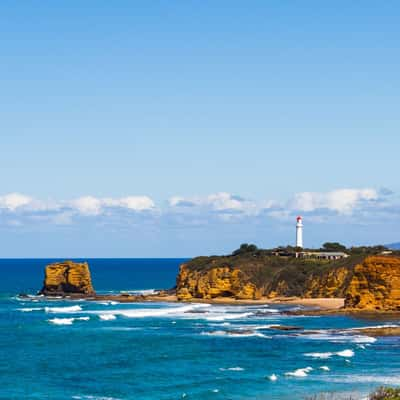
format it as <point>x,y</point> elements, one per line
<point>382,393</point>
<point>385,394</point>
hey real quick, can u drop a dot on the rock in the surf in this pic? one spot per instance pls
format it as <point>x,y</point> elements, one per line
<point>67,278</point>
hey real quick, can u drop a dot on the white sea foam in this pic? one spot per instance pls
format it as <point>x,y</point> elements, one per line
<point>375,379</point>
<point>300,373</point>
<point>320,355</point>
<point>273,377</point>
<point>67,321</point>
<point>325,368</point>
<point>363,339</point>
<point>62,321</point>
<point>232,369</point>
<point>82,319</point>
<point>122,328</point>
<point>255,327</point>
<point>234,334</point>
<point>180,311</point>
<point>227,316</point>
<point>344,353</point>
<point>338,338</point>
<point>30,309</point>
<point>29,297</point>
<point>376,327</point>
<point>63,310</point>
<point>107,317</point>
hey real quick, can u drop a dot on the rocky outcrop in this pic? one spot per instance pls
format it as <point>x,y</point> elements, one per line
<point>326,282</point>
<point>269,277</point>
<point>375,285</point>
<point>371,283</point>
<point>217,282</point>
<point>67,278</point>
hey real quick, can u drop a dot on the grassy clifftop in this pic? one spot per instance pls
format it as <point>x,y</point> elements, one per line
<point>277,276</point>
<point>367,282</point>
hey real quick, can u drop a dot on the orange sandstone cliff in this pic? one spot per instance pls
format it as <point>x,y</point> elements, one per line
<point>367,283</point>
<point>216,282</point>
<point>375,285</point>
<point>67,278</point>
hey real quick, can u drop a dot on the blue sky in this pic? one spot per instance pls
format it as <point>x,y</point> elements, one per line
<point>177,128</point>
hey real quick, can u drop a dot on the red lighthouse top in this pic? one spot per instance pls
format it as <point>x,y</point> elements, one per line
<point>299,218</point>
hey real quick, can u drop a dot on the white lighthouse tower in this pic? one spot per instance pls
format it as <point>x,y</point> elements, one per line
<point>299,232</point>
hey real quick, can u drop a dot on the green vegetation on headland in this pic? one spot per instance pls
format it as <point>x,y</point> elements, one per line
<point>367,277</point>
<point>326,247</point>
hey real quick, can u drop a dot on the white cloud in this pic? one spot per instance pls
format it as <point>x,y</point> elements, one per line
<point>343,201</point>
<point>222,206</point>
<point>89,205</point>
<point>137,203</point>
<point>220,202</point>
<point>13,201</point>
<point>225,201</point>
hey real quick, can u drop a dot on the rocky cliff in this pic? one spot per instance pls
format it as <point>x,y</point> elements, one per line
<point>375,285</point>
<point>366,282</point>
<point>216,282</point>
<point>67,278</point>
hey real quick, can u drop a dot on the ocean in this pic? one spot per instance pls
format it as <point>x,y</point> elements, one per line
<point>60,349</point>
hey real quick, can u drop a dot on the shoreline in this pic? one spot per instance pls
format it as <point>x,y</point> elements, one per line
<point>327,304</point>
<point>322,304</point>
<point>314,306</point>
<point>319,303</point>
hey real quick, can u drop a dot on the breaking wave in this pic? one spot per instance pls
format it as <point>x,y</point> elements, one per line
<point>300,373</point>
<point>107,317</point>
<point>108,303</point>
<point>63,310</point>
<point>67,321</point>
<point>344,353</point>
<point>339,338</point>
<point>273,377</point>
<point>227,316</point>
<point>235,334</point>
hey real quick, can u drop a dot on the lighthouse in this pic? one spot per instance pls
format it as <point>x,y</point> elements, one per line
<point>299,232</point>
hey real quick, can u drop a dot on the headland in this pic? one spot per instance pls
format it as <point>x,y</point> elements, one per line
<point>365,281</point>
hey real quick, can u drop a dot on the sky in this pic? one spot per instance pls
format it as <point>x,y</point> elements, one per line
<point>180,128</point>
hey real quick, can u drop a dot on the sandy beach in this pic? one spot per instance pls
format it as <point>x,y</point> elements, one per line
<point>320,303</point>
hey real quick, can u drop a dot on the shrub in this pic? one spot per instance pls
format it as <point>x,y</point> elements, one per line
<point>385,393</point>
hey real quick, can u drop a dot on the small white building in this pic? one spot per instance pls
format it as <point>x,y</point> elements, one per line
<point>319,255</point>
<point>322,255</point>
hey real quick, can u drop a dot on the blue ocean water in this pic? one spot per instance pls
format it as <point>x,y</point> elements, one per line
<point>62,349</point>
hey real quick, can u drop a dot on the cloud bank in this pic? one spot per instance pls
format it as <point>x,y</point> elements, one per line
<point>17,209</point>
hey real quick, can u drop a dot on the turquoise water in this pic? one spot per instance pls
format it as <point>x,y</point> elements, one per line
<point>84,350</point>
